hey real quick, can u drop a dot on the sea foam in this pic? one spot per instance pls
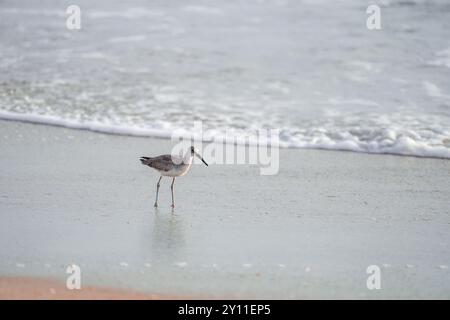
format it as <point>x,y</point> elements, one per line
<point>332,134</point>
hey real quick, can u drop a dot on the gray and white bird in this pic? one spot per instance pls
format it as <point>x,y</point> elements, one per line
<point>171,166</point>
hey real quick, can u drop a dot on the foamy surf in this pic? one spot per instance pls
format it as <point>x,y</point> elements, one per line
<point>430,142</point>
<point>94,126</point>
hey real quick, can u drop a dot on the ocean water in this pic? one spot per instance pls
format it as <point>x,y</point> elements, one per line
<point>310,69</point>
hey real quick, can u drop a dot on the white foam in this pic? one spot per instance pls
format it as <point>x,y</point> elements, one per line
<point>442,58</point>
<point>428,136</point>
<point>95,126</point>
<point>434,91</point>
<point>431,89</point>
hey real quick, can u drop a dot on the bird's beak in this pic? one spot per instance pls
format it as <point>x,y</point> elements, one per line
<point>200,157</point>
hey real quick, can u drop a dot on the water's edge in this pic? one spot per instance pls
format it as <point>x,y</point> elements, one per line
<point>98,127</point>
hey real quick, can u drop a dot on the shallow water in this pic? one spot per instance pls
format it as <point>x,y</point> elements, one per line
<point>308,68</point>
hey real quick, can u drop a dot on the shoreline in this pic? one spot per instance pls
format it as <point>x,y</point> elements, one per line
<point>154,134</point>
<point>33,288</point>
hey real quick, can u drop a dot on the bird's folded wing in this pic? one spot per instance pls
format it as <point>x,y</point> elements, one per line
<point>162,163</point>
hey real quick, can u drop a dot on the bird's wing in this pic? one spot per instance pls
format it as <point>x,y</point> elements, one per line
<point>162,163</point>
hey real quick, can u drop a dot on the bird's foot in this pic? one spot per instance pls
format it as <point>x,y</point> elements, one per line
<point>173,206</point>
<point>155,205</point>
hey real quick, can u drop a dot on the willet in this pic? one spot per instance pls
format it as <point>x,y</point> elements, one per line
<point>171,166</point>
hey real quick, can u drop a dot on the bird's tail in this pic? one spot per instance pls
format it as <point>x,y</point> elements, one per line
<point>145,160</point>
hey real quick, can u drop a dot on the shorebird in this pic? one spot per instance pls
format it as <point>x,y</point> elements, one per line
<point>171,166</point>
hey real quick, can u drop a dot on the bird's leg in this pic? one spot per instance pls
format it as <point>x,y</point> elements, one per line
<point>171,187</point>
<point>157,191</point>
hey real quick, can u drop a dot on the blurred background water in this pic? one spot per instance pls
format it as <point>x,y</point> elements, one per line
<point>311,69</point>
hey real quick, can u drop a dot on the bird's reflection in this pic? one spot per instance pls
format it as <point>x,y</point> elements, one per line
<point>167,236</point>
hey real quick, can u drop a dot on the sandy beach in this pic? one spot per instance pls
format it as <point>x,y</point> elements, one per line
<point>78,197</point>
<point>19,288</point>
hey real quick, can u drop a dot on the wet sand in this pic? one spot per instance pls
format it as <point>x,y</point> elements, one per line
<point>20,288</point>
<point>77,197</point>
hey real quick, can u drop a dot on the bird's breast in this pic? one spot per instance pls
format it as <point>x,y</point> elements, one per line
<point>178,170</point>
